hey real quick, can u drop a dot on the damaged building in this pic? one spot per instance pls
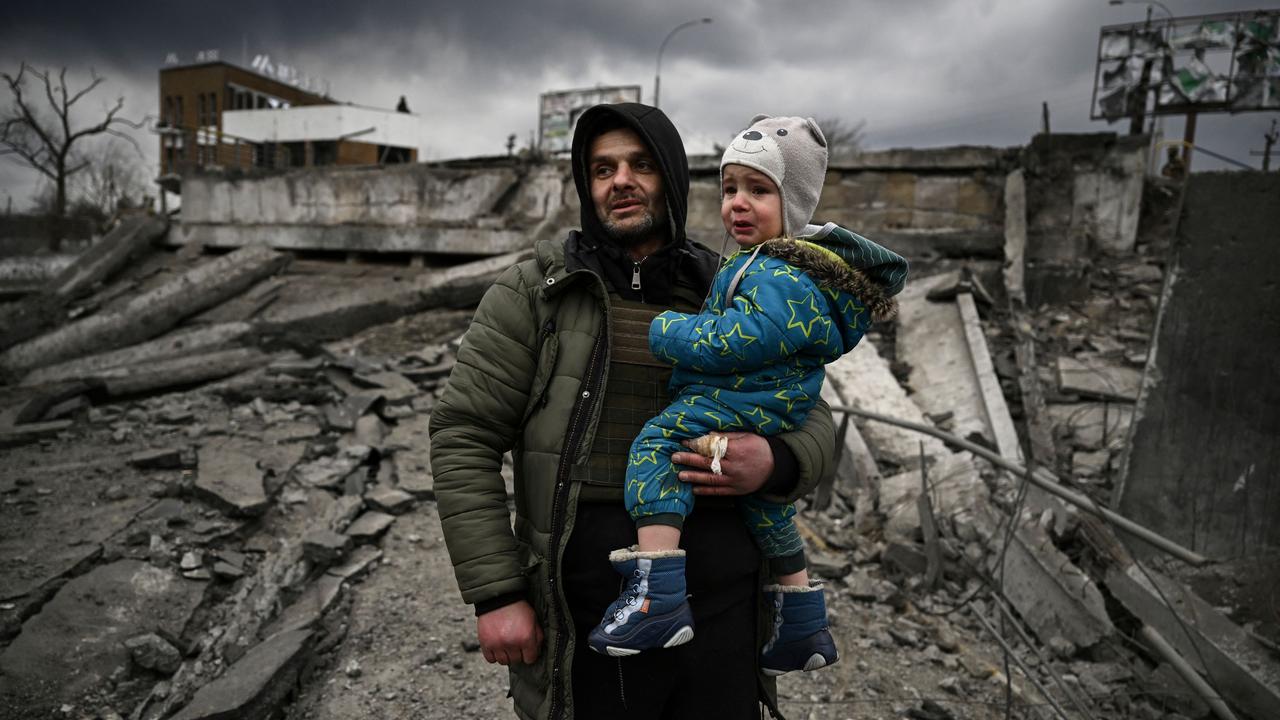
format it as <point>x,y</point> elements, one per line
<point>1056,488</point>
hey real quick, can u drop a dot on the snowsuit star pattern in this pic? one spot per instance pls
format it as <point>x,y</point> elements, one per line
<point>752,362</point>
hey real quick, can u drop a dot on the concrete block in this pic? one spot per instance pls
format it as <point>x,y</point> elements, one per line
<point>257,685</point>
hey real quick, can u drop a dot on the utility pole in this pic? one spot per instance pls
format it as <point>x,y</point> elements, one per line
<point>1269,139</point>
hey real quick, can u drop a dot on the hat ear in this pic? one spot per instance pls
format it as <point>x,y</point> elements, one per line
<point>816,131</point>
<point>758,118</point>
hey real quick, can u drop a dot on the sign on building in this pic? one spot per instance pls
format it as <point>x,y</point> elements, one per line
<point>1226,62</point>
<point>559,112</point>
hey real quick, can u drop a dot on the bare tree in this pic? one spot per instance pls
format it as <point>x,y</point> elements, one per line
<point>844,139</point>
<point>113,175</point>
<point>42,137</point>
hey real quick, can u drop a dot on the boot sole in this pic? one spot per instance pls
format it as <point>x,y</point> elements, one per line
<point>681,636</point>
<point>814,662</point>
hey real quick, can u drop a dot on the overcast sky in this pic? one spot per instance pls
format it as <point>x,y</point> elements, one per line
<point>918,72</point>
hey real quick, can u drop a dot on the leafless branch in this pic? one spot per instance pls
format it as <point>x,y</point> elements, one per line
<point>51,146</point>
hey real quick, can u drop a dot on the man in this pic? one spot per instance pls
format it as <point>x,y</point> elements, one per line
<point>556,368</point>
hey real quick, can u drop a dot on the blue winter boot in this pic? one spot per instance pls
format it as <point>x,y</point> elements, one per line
<point>800,639</point>
<point>652,611</point>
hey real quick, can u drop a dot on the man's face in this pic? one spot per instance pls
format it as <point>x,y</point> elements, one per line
<point>626,187</point>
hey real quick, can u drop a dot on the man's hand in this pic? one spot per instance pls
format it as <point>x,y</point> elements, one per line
<point>510,634</point>
<point>747,465</point>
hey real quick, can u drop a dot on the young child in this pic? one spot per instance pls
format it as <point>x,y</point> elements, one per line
<point>791,299</point>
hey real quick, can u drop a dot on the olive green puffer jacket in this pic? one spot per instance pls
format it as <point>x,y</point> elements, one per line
<point>529,377</point>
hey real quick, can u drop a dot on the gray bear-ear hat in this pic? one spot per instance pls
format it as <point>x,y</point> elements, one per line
<point>790,151</point>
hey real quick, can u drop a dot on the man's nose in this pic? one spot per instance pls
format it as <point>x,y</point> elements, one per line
<point>622,177</point>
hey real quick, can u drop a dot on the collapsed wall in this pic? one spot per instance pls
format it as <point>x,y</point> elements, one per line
<point>1204,464</point>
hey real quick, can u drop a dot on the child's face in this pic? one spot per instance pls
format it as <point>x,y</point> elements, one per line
<point>750,206</point>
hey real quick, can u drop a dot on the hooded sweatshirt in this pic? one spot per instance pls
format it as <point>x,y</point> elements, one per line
<point>592,247</point>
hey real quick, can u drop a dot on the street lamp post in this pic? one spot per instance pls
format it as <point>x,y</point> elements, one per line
<point>657,75</point>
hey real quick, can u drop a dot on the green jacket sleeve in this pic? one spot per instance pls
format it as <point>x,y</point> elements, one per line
<point>475,422</point>
<point>814,445</point>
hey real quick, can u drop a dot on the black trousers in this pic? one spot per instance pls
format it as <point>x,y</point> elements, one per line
<point>712,676</point>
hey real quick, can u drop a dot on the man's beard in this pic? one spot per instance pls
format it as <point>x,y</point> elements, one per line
<point>636,232</point>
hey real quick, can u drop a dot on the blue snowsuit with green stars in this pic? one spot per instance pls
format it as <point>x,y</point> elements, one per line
<point>753,361</point>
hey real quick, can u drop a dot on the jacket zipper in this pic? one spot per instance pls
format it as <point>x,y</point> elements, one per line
<point>573,438</point>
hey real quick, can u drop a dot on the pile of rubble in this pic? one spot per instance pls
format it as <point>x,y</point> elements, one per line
<point>217,502</point>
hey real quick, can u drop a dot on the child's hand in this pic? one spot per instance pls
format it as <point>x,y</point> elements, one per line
<point>746,466</point>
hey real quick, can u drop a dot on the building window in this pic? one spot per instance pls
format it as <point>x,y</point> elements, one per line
<point>200,118</point>
<point>168,111</point>
<point>180,118</point>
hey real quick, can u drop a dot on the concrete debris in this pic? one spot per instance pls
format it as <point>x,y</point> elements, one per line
<point>119,601</point>
<point>390,500</point>
<point>360,561</point>
<point>149,314</point>
<point>249,450</point>
<point>310,606</point>
<point>1097,379</point>
<point>153,652</point>
<point>323,547</point>
<point>370,526</point>
<point>229,477</point>
<point>253,687</point>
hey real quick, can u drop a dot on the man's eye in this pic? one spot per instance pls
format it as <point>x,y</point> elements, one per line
<point>644,166</point>
<point>603,171</point>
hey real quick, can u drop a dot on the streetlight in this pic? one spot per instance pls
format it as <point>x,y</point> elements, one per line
<point>657,75</point>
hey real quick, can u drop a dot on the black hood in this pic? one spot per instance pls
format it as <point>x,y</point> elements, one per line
<point>653,126</point>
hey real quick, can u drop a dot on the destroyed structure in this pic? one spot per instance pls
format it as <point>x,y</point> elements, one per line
<point>1056,492</point>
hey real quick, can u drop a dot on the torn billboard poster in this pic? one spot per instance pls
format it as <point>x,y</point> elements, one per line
<point>558,112</point>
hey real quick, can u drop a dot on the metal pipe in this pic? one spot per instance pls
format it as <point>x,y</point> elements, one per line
<point>1044,480</point>
<point>1188,673</point>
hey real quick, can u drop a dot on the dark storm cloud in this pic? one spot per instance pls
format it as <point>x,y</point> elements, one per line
<point>929,72</point>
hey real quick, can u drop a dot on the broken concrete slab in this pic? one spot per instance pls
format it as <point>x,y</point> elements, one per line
<point>124,242</point>
<point>255,686</point>
<point>370,526</point>
<point>863,375</point>
<point>394,387</point>
<point>77,640</point>
<point>857,478</point>
<point>149,314</point>
<point>327,472</point>
<point>1237,665</point>
<point>390,500</point>
<point>179,343</point>
<point>931,339</point>
<point>1096,378</point>
<point>370,430</point>
<point>180,372</point>
<point>30,432</point>
<point>959,496</point>
<point>358,563</point>
<point>323,547</point>
<point>158,459</point>
<point>229,477</point>
<point>1054,597</point>
<point>409,443</point>
<point>1092,426</point>
<point>310,606</point>
<point>343,313</point>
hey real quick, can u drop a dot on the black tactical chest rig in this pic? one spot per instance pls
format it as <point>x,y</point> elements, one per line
<point>636,390</point>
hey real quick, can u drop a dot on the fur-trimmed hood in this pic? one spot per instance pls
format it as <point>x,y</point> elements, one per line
<point>829,270</point>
